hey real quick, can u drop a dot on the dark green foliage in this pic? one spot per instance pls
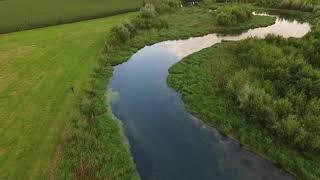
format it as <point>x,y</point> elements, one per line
<point>296,5</point>
<point>294,83</point>
<point>120,34</point>
<point>232,15</point>
<point>165,6</point>
<point>311,48</point>
<point>269,98</point>
<point>148,18</point>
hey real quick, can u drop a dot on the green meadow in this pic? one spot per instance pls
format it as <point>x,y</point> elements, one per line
<point>18,15</point>
<point>37,69</point>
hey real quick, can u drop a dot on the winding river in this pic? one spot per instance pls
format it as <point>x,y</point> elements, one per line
<point>165,140</point>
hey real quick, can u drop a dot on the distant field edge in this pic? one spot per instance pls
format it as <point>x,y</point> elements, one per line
<point>67,21</point>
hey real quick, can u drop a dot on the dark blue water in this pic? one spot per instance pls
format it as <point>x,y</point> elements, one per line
<point>166,141</point>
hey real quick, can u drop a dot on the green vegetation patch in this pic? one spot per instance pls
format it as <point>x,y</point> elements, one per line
<point>231,15</point>
<point>236,18</point>
<point>16,15</point>
<point>265,93</point>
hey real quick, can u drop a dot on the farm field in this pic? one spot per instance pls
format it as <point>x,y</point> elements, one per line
<point>18,15</point>
<point>37,68</point>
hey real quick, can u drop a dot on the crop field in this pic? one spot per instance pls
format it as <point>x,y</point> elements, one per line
<point>37,68</point>
<point>18,15</point>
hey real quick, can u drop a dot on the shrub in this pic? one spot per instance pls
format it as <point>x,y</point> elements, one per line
<point>148,18</point>
<point>296,5</point>
<point>164,6</point>
<point>148,11</point>
<point>232,15</point>
<point>132,29</point>
<point>120,34</point>
<point>226,19</point>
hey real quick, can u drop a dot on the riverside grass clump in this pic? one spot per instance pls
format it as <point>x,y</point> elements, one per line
<point>17,15</point>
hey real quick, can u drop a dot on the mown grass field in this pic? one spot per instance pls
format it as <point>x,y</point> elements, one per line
<point>20,14</point>
<point>37,68</point>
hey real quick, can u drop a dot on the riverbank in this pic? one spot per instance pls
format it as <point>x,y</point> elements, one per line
<point>201,79</point>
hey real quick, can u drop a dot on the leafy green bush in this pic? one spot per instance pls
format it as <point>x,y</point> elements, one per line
<point>164,6</point>
<point>234,14</point>
<point>120,33</point>
<point>148,11</point>
<point>296,5</point>
<point>148,18</point>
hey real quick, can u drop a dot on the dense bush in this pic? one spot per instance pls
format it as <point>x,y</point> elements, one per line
<point>164,6</point>
<point>120,33</point>
<point>232,15</point>
<point>296,5</point>
<point>280,90</point>
<point>148,18</point>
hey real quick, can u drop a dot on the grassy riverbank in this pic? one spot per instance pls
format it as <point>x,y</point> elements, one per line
<point>202,79</point>
<point>37,68</point>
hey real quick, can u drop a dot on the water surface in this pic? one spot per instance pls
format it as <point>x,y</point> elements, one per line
<point>166,141</point>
